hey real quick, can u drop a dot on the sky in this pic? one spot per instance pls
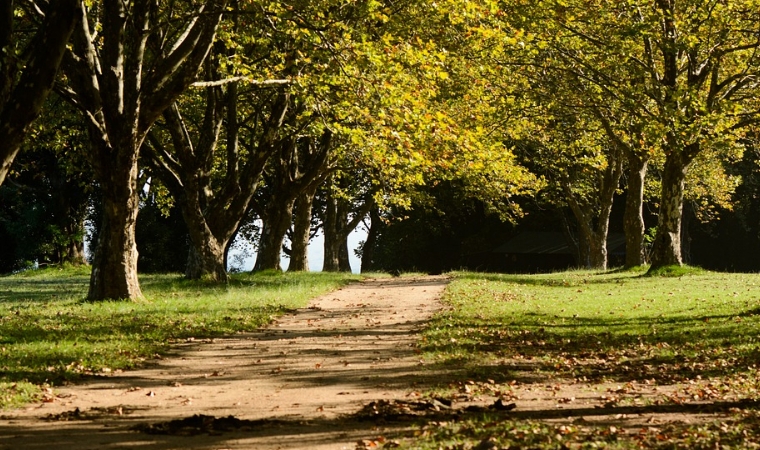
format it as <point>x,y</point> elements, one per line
<point>316,252</point>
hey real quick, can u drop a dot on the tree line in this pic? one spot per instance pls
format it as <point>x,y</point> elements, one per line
<point>319,115</point>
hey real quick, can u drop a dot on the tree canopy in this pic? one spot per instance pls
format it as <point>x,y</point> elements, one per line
<point>312,116</point>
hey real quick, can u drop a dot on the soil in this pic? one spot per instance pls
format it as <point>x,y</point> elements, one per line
<point>297,384</point>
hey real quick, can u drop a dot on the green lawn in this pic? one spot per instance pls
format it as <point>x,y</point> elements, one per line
<point>49,334</point>
<point>698,331</point>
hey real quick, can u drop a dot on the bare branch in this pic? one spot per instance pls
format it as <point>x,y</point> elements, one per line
<point>246,80</point>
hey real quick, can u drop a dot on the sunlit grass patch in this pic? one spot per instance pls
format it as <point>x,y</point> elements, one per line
<point>49,334</point>
<point>692,330</point>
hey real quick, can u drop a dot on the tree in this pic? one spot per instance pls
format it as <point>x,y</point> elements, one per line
<point>703,66</point>
<point>214,196</point>
<point>28,66</point>
<point>47,197</point>
<point>688,69</point>
<point>127,65</point>
<point>346,205</point>
<point>298,168</point>
<point>583,169</point>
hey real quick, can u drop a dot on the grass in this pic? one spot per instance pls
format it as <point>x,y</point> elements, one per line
<point>692,331</point>
<point>49,334</point>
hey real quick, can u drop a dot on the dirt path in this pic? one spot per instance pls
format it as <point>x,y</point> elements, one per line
<point>296,379</point>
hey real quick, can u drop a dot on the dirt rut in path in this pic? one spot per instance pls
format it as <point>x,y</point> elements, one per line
<point>295,380</point>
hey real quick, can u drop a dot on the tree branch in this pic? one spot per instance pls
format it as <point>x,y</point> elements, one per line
<point>245,80</point>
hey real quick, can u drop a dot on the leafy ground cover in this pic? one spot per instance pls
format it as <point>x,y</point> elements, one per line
<point>597,360</point>
<point>50,335</point>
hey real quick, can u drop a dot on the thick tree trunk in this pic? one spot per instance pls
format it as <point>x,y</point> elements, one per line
<point>344,262</point>
<point>299,260</point>
<point>122,94</point>
<point>666,250</point>
<point>206,261</point>
<point>598,250</point>
<point>276,223</point>
<point>206,258</point>
<point>114,267</point>
<point>633,220</point>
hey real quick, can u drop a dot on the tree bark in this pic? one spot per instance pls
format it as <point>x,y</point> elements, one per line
<point>344,261</point>
<point>368,250</point>
<point>22,103</point>
<point>331,252</point>
<point>633,220</point>
<point>299,259</point>
<point>337,227</point>
<point>666,250</point>
<point>207,256</point>
<point>276,223</point>
<point>73,252</point>
<point>594,239</point>
<point>114,266</point>
<point>120,104</point>
<point>301,167</point>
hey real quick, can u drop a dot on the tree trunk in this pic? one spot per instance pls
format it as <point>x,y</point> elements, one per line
<point>666,250</point>
<point>336,236</point>
<point>368,249</point>
<point>299,260</point>
<point>74,251</point>
<point>584,251</point>
<point>114,267</point>
<point>122,95</point>
<point>276,223</point>
<point>686,217</point>
<point>332,238</point>
<point>633,220</point>
<point>598,250</point>
<point>206,261</point>
<point>344,262</point>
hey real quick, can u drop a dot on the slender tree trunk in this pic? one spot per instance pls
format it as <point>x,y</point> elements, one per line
<point>74,251</point>
<point>666,250</point>
<point>276,223</point>
<point>332,238</point>
<point>368,250</point>
<point>584,251</point>
<point>299,260</point>
<point>633,220</point>
<point>336,236</point>
<point>686,217</point>
<point>114,268</point>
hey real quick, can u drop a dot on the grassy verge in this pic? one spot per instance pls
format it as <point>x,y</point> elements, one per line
<point>49,335</point>
<point>671,361</point>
